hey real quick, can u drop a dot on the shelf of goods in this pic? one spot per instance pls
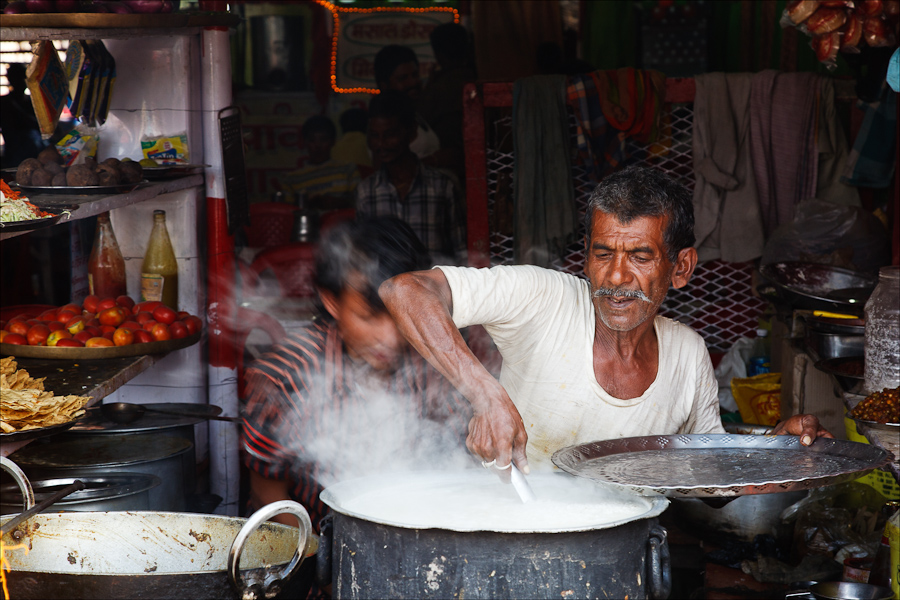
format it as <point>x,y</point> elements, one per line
<point>82,207</point>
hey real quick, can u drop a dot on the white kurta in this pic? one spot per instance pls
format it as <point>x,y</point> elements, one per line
<point>542,321</point>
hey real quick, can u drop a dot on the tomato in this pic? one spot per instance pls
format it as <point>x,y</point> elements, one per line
<point>109,335</point>
<point>161,332</point>
<point>148,305</point>
<point>193,324</point>
<point>75,324</point>
<point>83,336</point>
<point>70,343</point>
<point>148,325</point>
<point>64,315</point>
<point>125,302</point>
<point>104,329</point>
<point>98,342</point>
<point>183,314</point>
<point>115,316</point>
<point>123,337</point>
<point>105,304</point>
<point>55,336</point>
<point>19,327</point>
<point>3,334</point>
<point>37,335</point>
<point>90,303</point>
<point>94,330</point>
<point>143,316</point>
<point>48,315</point>
<point>132,325</point>
<point>142,336</point>
<point>15,338</point>
<point>72,308</point>
<point>56,325</point>
<point>164,314</point>
<point>178,330</point>
<point>95,322</point>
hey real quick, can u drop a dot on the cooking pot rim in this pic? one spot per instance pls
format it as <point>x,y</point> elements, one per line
<point>335,496</point>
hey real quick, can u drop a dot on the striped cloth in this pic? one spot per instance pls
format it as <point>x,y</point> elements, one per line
<point>331,178</point>
<point>313,416</point>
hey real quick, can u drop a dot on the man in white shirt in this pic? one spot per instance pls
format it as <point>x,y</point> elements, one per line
<point>582,360</point>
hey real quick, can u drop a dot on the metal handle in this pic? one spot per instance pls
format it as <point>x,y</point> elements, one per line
<point>660,564</point>
<point>21,480</point>
<point>270,583</point>
<point>323,554</point>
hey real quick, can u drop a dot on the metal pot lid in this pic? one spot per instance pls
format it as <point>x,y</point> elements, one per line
<point>93,422</point>
<point>719,465</point>
<point>822,282</point>
<point>99,451</point>
<point>96,488</point>
<point>476,500</point>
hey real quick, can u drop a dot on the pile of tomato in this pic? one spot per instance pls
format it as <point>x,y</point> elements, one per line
<point>100,322</point>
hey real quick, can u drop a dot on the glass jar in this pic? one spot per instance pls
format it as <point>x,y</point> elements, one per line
<point>882,346</point>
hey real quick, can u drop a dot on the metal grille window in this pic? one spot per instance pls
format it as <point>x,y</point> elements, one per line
<point>718,302</point>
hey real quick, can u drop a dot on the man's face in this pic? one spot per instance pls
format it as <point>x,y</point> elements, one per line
<point>368,334</point>
<point>388,139</point>
<point>319,145</point>
<point>405,78</point>
<point>631,259</point>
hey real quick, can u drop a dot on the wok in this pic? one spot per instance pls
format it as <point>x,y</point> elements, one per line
<point>817,287</point>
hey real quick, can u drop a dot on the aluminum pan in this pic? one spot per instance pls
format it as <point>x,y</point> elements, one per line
<point>719,465</point>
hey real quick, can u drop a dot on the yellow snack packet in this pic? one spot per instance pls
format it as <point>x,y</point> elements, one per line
<point>758,398</point>
<point>171,150</point>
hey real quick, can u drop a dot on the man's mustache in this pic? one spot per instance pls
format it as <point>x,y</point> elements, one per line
<point>621,292</point>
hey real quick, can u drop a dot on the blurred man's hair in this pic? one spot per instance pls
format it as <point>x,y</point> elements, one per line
<point>318,124</point>
<point>388,59</point>
<point>644,192</point>
<point>391,103</point>
<point>367,252</point>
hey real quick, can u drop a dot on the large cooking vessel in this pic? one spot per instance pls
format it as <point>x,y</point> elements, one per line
<point>155,555</point>
<point>130,491</point>
<point>467,535</point>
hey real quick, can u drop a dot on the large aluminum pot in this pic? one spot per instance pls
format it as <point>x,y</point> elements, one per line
<point>111,492</point>
<point>155,555</point>
<point>467,535</point>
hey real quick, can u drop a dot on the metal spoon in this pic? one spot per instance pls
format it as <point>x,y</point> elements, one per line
<point>125,412</point>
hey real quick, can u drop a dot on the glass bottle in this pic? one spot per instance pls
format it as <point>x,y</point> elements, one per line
<point>882,341</point>
<point>106,266</point>
<point>159,272</point>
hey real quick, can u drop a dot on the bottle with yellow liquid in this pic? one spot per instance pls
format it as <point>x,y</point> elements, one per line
<point>159,272</point>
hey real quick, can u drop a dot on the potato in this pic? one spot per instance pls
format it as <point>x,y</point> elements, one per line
<point>81,175</point>
<point>59,180</point>
<point>50,155</point>
<point>41,178</point>
<point>131,172</point>
<point>113,162</point>
<point>90,162</point>
<point>107,178</point>
<point>26,168</point>
<point>53,168</point>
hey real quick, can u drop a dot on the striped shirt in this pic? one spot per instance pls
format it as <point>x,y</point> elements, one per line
<point>331,178</point>
<point>314,416</point>
<point>431,208</point>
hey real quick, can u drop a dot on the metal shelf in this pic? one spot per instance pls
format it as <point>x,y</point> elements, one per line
<point>90,206</point>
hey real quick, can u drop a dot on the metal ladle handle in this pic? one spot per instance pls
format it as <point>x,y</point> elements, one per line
<point>270,585</point>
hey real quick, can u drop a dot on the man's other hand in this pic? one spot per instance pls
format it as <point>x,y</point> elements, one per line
<point>805,426</point>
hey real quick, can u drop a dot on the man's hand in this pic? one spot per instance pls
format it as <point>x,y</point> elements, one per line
<point>496,433</point>
<point>806,426</point>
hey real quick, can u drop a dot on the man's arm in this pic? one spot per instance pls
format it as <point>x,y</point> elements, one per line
<point>421,305</point>
<point>265,491</point>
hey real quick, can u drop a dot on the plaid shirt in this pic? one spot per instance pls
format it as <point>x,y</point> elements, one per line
<point>312,419</point>
<point>431,208</point>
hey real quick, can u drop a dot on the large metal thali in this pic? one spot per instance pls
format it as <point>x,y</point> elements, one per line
<point>719,465</point>
<point>100,353</point>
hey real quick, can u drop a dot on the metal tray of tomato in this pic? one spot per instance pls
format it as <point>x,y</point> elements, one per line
<point>99,353</point>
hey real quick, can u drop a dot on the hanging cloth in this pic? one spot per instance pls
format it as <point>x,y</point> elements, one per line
<point>546,219</point>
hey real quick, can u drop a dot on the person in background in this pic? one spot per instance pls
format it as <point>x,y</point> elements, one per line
<point>405,187</point>
<point>321,404</point>
<point>583,359</point>
<point>21,133</point>
<point>351,147</point>
<point>441,100</point>
<point>323,183</point>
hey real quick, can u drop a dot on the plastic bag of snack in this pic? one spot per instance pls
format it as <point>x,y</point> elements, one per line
<point>77,145</point>
<point>170,150</point>
<point>47,83</point>
<point>758,398</point>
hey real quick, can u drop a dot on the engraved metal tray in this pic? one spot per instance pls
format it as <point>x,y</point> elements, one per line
<point>719,465</point>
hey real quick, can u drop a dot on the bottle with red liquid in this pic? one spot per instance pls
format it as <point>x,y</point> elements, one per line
<point>106,266</point>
